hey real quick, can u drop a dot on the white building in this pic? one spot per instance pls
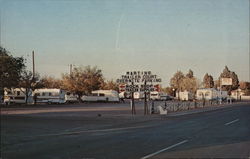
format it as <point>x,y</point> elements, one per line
<point>185,95</point>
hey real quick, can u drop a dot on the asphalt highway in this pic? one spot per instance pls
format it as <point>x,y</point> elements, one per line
<point>222,133</point>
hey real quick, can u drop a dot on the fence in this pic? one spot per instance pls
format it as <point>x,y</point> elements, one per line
<point>188,105</point>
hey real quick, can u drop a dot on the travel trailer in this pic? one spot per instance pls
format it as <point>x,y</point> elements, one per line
<point>47,95</point>
<point>71,97</point>
<point>124,95</point>
<point>210,94</point>
<point>102,96</point>
<point>17,95</point>
<point>158,96</point>
<point>185,95</point>
<point>138,95</point>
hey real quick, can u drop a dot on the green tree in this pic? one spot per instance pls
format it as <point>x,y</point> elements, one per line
<point>10,70</point>
<point>208,81</point>
<point>229,74</point>
<point>83,80</point>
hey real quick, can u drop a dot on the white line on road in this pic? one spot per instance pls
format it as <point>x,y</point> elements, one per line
<point>165,149</point>
<point>231,122</point>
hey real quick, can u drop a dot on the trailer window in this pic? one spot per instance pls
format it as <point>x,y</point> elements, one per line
<point>94,94</point>
<point>50,94</point>
<point>43,94</point>
<point>18,93</point>
<point>207,94</point>
<point>153,94</point>
<point>20,98</point>
<point>102,94</point>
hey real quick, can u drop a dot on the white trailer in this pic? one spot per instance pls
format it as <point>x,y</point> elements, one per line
<point>138,95</point>
<point>17,95</point>
<point>71,97</point>
<point>158,95</point>
<point>102,96</point>
<point>185,95</point>
<point>50,95</point>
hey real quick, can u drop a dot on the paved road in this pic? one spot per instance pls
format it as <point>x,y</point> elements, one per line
<point>221,133</point>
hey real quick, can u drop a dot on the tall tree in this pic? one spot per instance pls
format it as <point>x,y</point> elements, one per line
<point>83,80</point>
<point>110,85</point>
<point>208,81</point>
<point>176,80</point>
<point>10,70</point>
<point>189,84</point>
<point>229,74</point>
<point>50,82</point>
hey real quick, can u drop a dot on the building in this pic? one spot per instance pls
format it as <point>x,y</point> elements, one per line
<point>210,94</point>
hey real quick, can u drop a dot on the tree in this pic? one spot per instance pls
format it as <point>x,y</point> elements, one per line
<point>10,70</point>
<point>83,80</point>
<point>190,74</point>
<point>168,90</point>
<point>208,81</point>
<point>229,74</point>
<point>189,84</point>
<point>110,85</point>
<point>50,82</point>
<point>176,80</point>
<point>245,87</point>
<point>29,82</point>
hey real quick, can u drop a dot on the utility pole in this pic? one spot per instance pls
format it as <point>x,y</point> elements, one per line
<point>70,69</point>
<point>33,61</point>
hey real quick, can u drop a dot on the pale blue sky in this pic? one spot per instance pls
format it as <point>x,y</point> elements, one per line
<point>121,35</point>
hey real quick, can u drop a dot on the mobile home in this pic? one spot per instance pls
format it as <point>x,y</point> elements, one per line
<point>17,95</point>
<point>47,95</point>
<point>102,96</point>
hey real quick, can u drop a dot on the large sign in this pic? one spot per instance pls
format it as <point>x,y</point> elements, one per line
<point>226,81</point>
<point>138,77</point>
<point>138,81</point>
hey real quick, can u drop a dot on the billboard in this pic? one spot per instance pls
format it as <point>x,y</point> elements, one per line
<point>226,81</point>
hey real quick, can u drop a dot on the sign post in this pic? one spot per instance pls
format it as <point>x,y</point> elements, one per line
<point>136,81</point>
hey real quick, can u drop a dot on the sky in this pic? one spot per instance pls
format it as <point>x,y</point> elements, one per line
<point>161,36</point>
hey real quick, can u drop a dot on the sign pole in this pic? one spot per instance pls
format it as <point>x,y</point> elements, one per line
<point>132,99</point>
<point>145,98</point>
